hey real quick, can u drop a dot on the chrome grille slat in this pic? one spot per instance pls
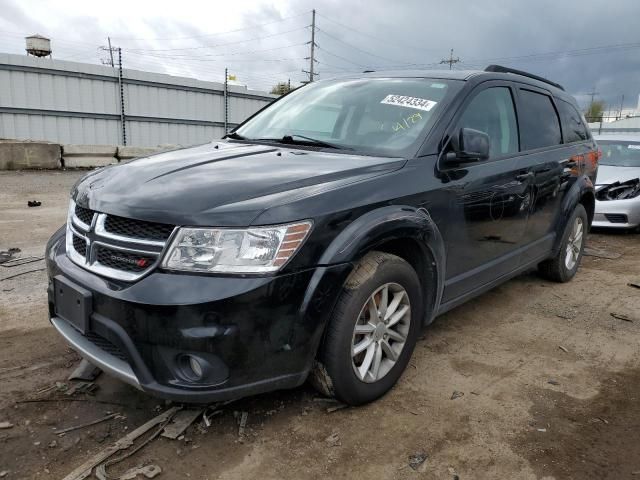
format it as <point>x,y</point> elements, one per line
<point>114,255</point>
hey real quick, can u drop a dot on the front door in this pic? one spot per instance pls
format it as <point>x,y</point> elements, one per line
<point>488,200</point>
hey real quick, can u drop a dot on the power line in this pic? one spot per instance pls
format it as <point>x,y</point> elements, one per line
<point>253,27</point>
<point>142,50</point>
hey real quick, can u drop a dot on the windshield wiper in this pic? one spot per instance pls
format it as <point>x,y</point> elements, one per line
<point>235,136</point>
<point>315,141</point>
<point>288,139</point>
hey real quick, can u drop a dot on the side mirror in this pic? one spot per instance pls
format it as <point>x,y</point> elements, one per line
<point>469,146</point>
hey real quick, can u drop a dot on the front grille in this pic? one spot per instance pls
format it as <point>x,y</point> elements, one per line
<point>84,214</point>
<point>139,229</point>
<point>124,261</point>
<point>616,217</point>
<point>80,245</point>
<point>106,345</point>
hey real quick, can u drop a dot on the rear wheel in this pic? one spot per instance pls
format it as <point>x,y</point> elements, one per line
<point>564,265</point>
<point>372,332</point>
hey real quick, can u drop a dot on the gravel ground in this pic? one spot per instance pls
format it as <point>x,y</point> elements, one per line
<point>548,384</point>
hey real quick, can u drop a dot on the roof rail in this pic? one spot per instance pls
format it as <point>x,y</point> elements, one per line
<point>501,69</point>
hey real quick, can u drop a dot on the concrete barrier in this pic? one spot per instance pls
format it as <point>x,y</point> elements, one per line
<point>88,156</point>
<point>19,155</point>
<point>127,153</point>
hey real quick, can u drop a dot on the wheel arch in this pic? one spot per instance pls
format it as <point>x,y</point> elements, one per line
<point>407,232</point>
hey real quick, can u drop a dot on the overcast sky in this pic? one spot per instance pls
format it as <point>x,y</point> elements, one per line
<point>582,44</point>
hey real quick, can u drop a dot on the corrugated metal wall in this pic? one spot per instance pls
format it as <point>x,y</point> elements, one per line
<point>69,102</point>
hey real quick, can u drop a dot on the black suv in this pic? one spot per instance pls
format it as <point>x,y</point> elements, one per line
<point>320,236</point>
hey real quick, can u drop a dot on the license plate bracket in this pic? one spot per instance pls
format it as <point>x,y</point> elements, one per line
<point>72,303</point>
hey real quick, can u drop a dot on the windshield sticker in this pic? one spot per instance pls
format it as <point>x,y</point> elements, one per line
<point>438,85</point>
<point>634,147</point>
<point>407,122</point>
<point>409,102</point>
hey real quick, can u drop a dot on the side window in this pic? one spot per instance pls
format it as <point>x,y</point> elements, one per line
<point>539,124</point>
<point>492,112</point>
<point>573,128</point>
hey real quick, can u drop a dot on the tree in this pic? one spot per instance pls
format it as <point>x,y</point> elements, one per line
<point>594,111</point>
<point>281,88</point>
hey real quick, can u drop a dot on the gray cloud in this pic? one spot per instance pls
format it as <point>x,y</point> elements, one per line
<point>378,34</point>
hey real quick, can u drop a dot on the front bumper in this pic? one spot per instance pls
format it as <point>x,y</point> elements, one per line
<point>253,334</point>
<point>617,213</point>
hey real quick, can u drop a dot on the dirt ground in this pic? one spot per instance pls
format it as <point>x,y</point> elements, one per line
<point>548,382</point>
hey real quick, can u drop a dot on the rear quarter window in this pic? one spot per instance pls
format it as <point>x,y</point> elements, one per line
<point>539,123</point>
<point>573,128</point>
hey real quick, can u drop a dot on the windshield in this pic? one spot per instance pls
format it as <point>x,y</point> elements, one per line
<point>383,116</point>
<point>620,153</point>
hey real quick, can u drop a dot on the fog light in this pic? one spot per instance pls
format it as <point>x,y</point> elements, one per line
<point>196,368</point>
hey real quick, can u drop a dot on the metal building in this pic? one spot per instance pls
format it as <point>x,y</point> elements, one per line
<point>70,102</point>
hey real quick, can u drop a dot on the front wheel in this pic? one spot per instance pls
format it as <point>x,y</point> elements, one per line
<point>372,332</point>
<point>564,265</point>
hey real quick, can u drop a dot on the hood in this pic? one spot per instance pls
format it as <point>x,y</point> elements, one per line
<point>194,185</point>
<point>608,174</point>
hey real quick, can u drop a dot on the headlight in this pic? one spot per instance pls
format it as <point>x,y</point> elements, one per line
<point>227,250</point>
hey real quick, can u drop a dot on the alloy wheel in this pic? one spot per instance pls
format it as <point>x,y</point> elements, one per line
<point>574,244</point>
<point>380,332</point>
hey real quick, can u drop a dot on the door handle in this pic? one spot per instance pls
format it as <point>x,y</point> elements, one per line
<point>524,176</point>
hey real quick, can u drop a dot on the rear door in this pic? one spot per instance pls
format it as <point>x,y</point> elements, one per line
<point>551,165</point>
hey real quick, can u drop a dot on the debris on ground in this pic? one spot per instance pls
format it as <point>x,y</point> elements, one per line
<point>60,433</point>
<point>82,387</point>
<point>21,273</point>
<point>33,203</point>
<point>85,371</point>
<point>337,407</point>
<point>206,416</point>
<point>3,473</point>
<point>148,471</point>
<point>594,252</point>
<point>542,430</point>
<point>621,316</point>
<point>242,422</point>
<point>456,394</point>
<point>564,349</point>
<point>5,425</point>
<point>181,422</point>
<point>634,285</point>
<point>333,440</point>
<point>551,381</point>
<point>7,255</point>
<point>417,459</point>
<point>84,470</point>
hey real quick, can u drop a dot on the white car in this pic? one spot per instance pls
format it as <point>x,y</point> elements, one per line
<point>618,181</point>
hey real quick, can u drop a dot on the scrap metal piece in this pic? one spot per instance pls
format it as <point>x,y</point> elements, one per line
<point>242,423</point>
<point>180,422</point>
<point>84,470</point>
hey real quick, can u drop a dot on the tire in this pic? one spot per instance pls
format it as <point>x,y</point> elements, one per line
<point>559,268</point>
<point>339,374</point>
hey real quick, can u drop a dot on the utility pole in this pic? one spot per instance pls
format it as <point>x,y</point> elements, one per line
<point>593,94</point>
<point>621,106</point>
<point>110,51</point>
<point>313,44</point>
<point>451,60</point>
<point>121,85</point>
<point>226,101</point>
